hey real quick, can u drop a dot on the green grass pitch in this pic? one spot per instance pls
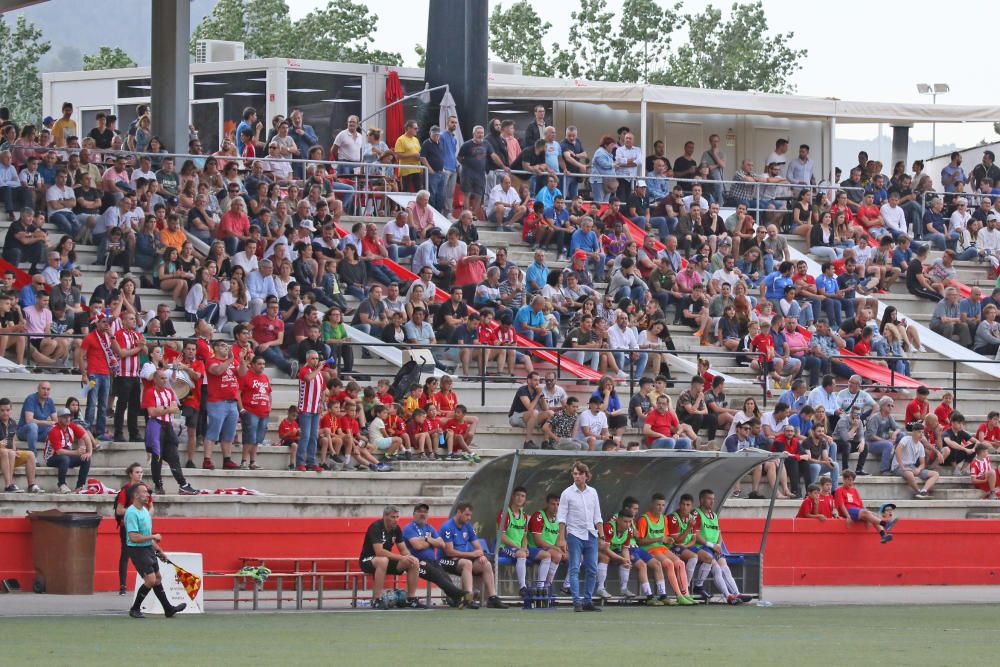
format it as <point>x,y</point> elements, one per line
<point>951,635</point>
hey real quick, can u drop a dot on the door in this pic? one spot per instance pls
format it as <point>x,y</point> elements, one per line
<point>87,119</point>
<point>206,116</point>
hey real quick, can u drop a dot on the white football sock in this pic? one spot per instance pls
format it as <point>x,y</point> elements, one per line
<point>543,571</point>
<point>521,567</point>
<point>602,574</point>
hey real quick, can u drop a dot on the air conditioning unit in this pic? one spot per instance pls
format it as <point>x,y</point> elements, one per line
<point>513,69</point>
<point>217,50</point>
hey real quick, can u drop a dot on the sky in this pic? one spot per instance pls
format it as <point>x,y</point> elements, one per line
<point>842,40</point>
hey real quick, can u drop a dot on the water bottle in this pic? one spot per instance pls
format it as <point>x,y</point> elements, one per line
<point>764,603</point>
<point>362,604</point>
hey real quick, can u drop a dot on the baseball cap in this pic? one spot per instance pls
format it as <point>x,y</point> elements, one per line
<point>886,506</point>
<point>307,224</point>
<point>64,412</point>
<point>580,254</point>
<point>640,183</point>
<point>47,120</point>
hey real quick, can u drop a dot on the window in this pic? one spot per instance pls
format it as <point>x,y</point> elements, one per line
<point>326,100</point>
<point>237,90</point>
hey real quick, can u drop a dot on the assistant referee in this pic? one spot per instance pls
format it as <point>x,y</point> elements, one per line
<point>143,552</point>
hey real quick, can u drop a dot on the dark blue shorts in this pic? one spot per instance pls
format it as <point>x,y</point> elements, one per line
<point>534,551</point>
<point>678,550</point>
<point>507,555</point>
<point>853,512</point>
<point>638,553</point>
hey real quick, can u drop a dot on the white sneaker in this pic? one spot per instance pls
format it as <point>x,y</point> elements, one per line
<point>34,488</point>
<point>601,593</point>
<point>65,489</point>
<point>622,374</point>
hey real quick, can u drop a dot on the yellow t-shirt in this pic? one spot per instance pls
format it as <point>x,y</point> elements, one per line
<point>63,130</point>
<point>405,144</point>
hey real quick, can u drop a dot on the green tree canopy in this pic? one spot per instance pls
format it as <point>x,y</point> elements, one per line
<point>518,34</point>
<point>738,53</point>
<point>343,31</point>
<point>107,58</point>
<point>20,82</point>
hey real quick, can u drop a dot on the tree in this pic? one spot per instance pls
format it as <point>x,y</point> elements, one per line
<point>736,54</point>
<point>107,58</point>
<point>342,31</point>
<point>421,55</point>
<point>603,48</point>
<point>518,35</point>
<point>20,83</point>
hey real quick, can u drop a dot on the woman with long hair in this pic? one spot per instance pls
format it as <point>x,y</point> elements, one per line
<point>823,240</point>
<point>196,303</point>
<point>234,303</point>
<point>611,406</point>
<point>891,316</point>
<point>335,335</point>
<point>171,278</point>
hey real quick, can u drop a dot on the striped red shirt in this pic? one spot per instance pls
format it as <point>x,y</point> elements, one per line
<point>159,398</point>
<point>128,340</point>
<point>980,468</point>
<point>116,325</point>
<point>310,393</point>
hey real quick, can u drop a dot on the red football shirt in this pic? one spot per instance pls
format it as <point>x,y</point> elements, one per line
<point>225,387</point>
<point>916,410</point>
<point>288,430</point>
<point>664,424</point>
<point>255,390</point>
<point>265,329</point>
<point>97,359</point>
<point>848,498</point>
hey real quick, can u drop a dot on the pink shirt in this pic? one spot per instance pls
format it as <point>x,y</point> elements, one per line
<point>233,225</point>
<point>421,217</point>
<point>688,280</point>
<point>37,321</point>
<point>797,343</point>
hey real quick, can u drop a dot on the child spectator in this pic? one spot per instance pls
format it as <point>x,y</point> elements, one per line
<point>851,507</point>
<point>944,409</point>
<point>412,401</point>
<point>959,443</point>
<point>812,507</point>
<point>983,474</point>
<point>420,439</point>
<point>919,407</point>
<point>765,361</point>
<point>327,439</point>
<point>395,426</point>
<point>827,502</point>
<point>354,444</point>
<point>989,431</point>
<point>391,446</point>
<point>463,429</point>
<point>382,392</point>
<point>438,436</point>
<point>288,434</point>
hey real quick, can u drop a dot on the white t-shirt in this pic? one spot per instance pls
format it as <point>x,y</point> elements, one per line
<point>139,173</point>
<point>55,193</point>
<point>350,147</point>
<point>894,217</point>
<point>767,419</point>
<point>376,428</point>
<point>395,233</point>
<point>249,264</point>
<point>554,399</point>
<point>591,424</point>
<point>497,195</point>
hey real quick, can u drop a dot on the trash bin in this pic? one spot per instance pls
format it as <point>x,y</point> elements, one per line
<point>63,546</point>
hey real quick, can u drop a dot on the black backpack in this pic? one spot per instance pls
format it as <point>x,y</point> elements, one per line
<point>407,376</point>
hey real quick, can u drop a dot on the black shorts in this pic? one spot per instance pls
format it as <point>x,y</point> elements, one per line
<point>450,565</point>
<point>369,567</point>
<point>190,416</point>
<point>144,559</point>
<point>35,343</point>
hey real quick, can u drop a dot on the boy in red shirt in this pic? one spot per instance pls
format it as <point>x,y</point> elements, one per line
<point>288,434</point>
<point>919,407</point>
<point>827,503</point>
<point>255,393</point>
<point>460,433</point>
<point>354,444</point>
<point>382,392</point>
<point>328,440</point>
<point>983,474</point>
<point>416,429</point>
<point>850,506</point>
<point>989,431</point>
<point>863,347</point>
<point>764,344</point>
<point>811,507</point>
<point>395,426</point>
<point>944,409</point>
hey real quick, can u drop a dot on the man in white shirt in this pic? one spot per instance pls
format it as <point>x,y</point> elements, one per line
<point>9,183</point>
<point>989,239</point>
<point>144,170</point>
<point>452,250</point>
<point>275,165</point>
<point>696,198</point>
<point>247,258</point>
<point>505,204</point>
<point>347,146</point>
<point>592,426</point>
<point>800,170</point>
<point>779,156</point>
<point>396,236</point>
<point>773,423</point>
<point>628,157</point>
<point>623,337</point>
<point>61,200</point>
<point>580,523</point>
<point>893,216</point>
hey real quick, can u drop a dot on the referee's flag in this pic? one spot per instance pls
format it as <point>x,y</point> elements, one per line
<point>190,582</point>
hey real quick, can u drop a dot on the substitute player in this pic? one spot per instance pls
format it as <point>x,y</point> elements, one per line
<point>513,530</point>
<point>710,537</point>
<point>651,535</point>
<point>682,527</point>
<point>143,550</point>
<point>851,507</point>
<point>619,546</point>
<point>543,531</point>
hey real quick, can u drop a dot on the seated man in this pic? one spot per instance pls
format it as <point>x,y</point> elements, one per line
<point>68,446</point>
<point>10,457</point>
<point>909,462</point>
<point>378,559</point>
<point>461,541</point>
<point>528,409</point>
<point>618,546</point>
<point>682,528</point>
<point>852,508</point>
<point>710,538</point>
<point>422,540</point>
<point>512,527</point>
<point>651,534</point>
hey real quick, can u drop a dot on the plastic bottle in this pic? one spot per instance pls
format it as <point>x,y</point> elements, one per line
<point>764,603</point>
<point>362,604</point>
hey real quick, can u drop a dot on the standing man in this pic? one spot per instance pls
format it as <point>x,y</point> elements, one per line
<point>715,158</point>
<point>311,388</point>
<point>160,403</point>
<point>449,149</point>
<point>628,157</point>
<point>432,157</point>
<point>347,146</point>
<point>407,150</point>
<point>98,366</point>
<point>580,524</point>
<point>222,405</point>
<point>128,344</point>
<point>143,550</point>
<point>475,155</point>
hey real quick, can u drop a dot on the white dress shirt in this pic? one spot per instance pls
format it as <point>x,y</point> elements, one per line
<point>894,217</point>
<point>580,511</point>
<point>623,339</point>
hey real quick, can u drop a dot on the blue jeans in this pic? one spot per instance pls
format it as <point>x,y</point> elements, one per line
<point>254,429</point>
<point>584,551</point>
<point>939,240</point>
<point>638,365</point>
<point>968,254</point>
<point>435,183</point>
<point>884,450</point>
<point>274,356</point>
<point>66,221</point>
<point>636,294</point>
<point>671,443</point>
<point>348,192</point>
<point>309,428</point>
<point>658,223</point>
<point>232,244</point>
<point>97,401</point>
<point>544,340</point>
<point>396,251</point>
<point>63,463</point>
<point>597,193</point>
<point>32,433</point>
<point>222,418</point>
<point>816,469</point>
<point>570,187</point>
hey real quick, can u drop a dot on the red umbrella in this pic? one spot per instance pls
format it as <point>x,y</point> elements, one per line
<point>393,113</point>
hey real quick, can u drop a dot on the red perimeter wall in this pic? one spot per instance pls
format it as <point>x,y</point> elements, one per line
<point>799,551</point>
